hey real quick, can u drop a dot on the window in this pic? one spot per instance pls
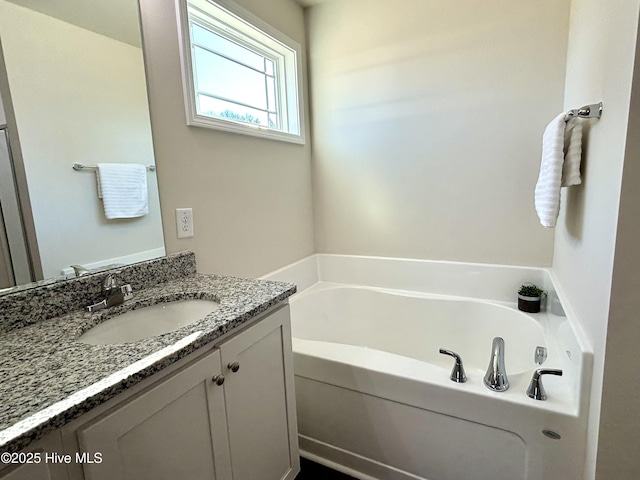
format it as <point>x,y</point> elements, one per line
<point>239,74</point>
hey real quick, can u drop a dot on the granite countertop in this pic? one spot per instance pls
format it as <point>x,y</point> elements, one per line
<point>47,378</point>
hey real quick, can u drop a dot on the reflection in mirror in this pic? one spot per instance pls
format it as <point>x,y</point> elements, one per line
<point>74,91</point>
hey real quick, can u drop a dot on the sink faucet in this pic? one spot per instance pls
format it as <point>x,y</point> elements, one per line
<point>496,377</point>
<point>114,293</point>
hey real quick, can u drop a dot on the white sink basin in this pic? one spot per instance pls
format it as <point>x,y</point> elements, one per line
<point>148,322</point>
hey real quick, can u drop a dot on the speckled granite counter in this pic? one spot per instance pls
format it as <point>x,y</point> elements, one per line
<point>47,378</point>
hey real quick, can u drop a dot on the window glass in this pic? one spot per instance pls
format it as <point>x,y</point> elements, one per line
<point>269,67</point>
<point>229,49</point>
<point>232,111</point>
<point>229,80</point>
<point>271,93</point>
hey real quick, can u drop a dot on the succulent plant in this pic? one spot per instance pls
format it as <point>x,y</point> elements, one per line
<point>531,290</point>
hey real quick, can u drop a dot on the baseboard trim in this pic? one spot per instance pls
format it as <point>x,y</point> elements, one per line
<point>349,463</point>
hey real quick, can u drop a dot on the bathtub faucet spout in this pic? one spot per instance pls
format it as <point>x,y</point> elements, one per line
<point>496,377</point>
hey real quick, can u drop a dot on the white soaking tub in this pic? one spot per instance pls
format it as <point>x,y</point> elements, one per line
<point>373,392</point>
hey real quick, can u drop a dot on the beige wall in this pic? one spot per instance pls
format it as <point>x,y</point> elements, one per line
<point>600,63</point>
<point>77,97</point>
<point>427,124</point>
<point>251,197</point>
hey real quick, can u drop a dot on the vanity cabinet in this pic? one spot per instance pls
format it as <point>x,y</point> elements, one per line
<point>34,464</point>
<point>227,416</point>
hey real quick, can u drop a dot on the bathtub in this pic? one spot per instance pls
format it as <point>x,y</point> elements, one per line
<point>373,393</point>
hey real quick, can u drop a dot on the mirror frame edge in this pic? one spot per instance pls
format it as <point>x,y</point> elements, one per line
<point>20,178</point>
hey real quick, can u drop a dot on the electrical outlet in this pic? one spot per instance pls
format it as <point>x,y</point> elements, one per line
<point>184,222</point>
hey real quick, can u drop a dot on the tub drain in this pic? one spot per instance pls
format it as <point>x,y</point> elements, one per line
<point>551,434</point>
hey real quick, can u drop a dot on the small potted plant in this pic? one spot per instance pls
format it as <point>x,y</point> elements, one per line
<point>529,297</point>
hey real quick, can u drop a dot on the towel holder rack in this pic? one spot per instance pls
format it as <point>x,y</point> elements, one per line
<point>588,111</point>
<point>79,166</point>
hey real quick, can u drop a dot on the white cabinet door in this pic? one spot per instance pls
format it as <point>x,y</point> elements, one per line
<point>175,430</point>
<point>37,461</point>
<point>260,401</point>
<point>29,471</point>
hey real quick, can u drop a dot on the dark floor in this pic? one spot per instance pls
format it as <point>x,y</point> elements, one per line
<point>312,471</point>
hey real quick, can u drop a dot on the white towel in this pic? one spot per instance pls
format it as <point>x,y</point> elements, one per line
<point>556,168</point>
<point>123,189</point>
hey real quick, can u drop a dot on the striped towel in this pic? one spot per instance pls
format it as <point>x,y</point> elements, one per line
<point>557,169</point>
<point>123,189</point>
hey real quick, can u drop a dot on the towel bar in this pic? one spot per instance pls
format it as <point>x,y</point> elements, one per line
<point>588,111</point>
<point>79,166</point>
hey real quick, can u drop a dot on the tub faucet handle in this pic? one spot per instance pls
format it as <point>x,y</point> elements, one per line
<point>457,374</point>
<point>536,390</point>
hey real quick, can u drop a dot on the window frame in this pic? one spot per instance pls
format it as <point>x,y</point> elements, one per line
<point>289,92</point>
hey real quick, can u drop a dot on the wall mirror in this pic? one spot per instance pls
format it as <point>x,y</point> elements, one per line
<point>73,90</point>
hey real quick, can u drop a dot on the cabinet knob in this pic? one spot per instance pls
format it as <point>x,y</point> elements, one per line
<point>234,366</point>
<point>218,379</point>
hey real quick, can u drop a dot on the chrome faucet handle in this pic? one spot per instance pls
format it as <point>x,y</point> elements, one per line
<point>110,283</point>
<point>114,292</point>
<point>536,390</point>
<point>79,270</point>
<point>457,374</point>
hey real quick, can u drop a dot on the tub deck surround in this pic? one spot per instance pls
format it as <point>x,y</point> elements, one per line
<point>394,331</point>
<point>47,378</point>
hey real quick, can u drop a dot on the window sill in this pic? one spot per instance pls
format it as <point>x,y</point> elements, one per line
<point>245,129</point>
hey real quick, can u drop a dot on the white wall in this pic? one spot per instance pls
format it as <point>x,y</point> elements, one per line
<point>600,63</point>
<point>427,124</point>
<point>251,197</point>
<point>3,118</point>
<point>619,435</point>
<point>77,97</point>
